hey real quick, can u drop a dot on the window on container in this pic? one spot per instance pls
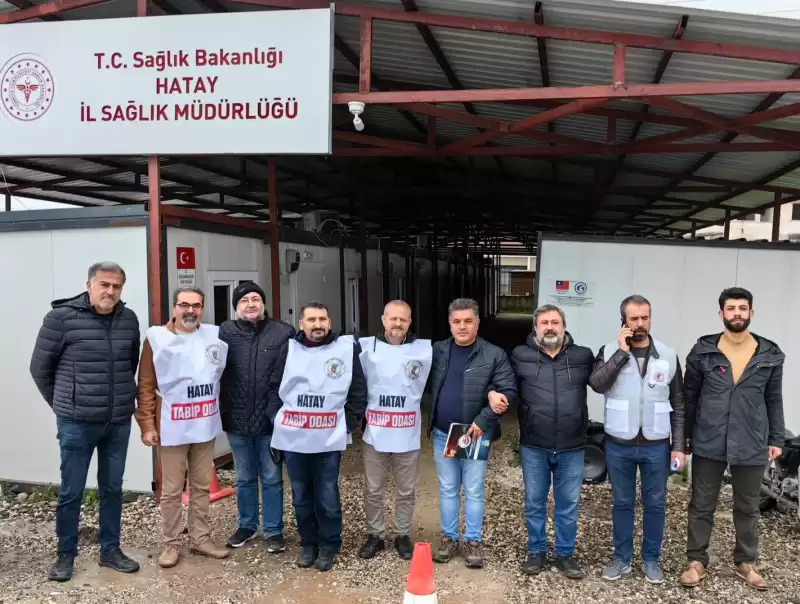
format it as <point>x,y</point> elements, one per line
<point>796,211</point>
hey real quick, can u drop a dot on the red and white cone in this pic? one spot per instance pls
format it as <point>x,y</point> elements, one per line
<point>420,585</point>
<point>215,492</point>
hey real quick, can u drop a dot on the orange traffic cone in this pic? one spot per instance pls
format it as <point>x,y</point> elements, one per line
<point>421,585</point>
<point>215,491</point>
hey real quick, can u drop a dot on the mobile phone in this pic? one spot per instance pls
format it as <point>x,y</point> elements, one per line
<point>627,340</point>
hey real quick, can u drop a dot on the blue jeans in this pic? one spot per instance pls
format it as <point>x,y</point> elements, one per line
<point>77,441</point>
<point>652,461</point>
<point>315,497</point>
<point>566,469</point>
<point>452,473</point>
<point>253,462</point>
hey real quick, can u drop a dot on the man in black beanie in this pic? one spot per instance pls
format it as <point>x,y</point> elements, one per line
<point>257,348</point>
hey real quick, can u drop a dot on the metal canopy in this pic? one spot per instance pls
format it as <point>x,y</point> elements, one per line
<point>499,119</point>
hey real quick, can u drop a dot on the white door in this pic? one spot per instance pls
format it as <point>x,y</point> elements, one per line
<point>219,294</point>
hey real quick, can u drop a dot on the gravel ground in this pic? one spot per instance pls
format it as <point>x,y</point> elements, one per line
<point>27,542</point>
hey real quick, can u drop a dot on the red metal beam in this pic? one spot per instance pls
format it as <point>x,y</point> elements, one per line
<point>575,149</point>
<point>519,28</point>
<point>274,247</point>
<point>43,10</point>
<point>365,66</point>
<point>189,214</point>
<point>154,234</point>
<point>490,95</point>
<point>524,125</point>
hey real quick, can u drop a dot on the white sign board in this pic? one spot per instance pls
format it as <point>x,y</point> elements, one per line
<point>571,292</point>
<point>240,83</point>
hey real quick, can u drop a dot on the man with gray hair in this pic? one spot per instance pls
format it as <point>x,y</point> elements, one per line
<point>178,412</point>
<point>472,383</point>
<point>84,362</point>
<point>552,376</point>
<point>645,412</point>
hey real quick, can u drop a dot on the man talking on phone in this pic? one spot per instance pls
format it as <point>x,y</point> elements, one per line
<point>645,411</point>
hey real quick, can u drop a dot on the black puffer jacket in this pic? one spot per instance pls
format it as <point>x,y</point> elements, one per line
<point>252,376</point>
<point>84,363</point>
<point>487,369</point>
<point>552,411</point>
<point>731,422</point>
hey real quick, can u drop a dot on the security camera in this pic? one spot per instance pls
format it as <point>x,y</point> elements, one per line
<point>356,108</point>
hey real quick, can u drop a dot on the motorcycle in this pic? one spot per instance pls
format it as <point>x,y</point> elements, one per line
<point>780,487</point>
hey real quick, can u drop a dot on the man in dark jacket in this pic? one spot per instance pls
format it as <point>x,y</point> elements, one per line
<point>734,389</point>
<point>83,364</point>
<point>472,383</point>
<point>552,375</point>
<point>645,409</point>
<point>323,397</point>
<point>257,346</point>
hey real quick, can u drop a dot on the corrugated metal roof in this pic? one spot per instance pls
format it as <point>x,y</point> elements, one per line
<point>489,60</point>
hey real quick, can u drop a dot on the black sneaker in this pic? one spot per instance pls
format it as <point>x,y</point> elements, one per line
<point>308,553</point>
<point>62,568</point>
<point>241,536</point>
<point>534,563</point>
<point>115,559</point>
<point>324,560</point>
<point>404,547</point>
<point>371,547</point>
<point>276,544</point>
<point>569,567</point>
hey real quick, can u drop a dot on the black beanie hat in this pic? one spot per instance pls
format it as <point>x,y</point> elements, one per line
<point>247,287</point>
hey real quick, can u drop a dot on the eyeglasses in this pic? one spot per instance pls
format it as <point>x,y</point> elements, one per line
<point>187,306</point>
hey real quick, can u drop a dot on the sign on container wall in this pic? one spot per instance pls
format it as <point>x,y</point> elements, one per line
<point>186,265</point>
<point>246,83</point>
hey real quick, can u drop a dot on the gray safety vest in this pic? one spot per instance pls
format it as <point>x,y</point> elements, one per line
<point>635,402</point>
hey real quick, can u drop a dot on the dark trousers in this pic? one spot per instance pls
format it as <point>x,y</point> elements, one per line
<point>315,496</point>
<point>652,461</point>
<point>77,441</point>
<point>706,482</point>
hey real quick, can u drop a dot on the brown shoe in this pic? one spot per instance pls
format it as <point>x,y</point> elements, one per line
<point>210,549</point>
<point>169,557</point>
<point>446,550</point>
<point>473,554</point>
<point>694,574</point>
<point>747,573</point>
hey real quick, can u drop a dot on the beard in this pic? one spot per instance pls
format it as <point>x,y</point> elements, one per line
<point>317,335</point>
<point>738,327</point>
<point>189,322</point>
<point>549,340</point>
<point>640,335</point>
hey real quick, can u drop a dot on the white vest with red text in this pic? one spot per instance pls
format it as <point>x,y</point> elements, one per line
<point>314,388</point>
<point>188,369</point>
<point>396,377</point>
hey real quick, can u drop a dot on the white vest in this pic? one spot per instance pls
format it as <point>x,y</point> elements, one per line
<point>396,377</point>
<point>314,388</point>
<point>188,369</point>
<point>634,402</point>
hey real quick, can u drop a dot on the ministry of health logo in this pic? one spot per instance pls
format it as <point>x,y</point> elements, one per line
<point>26,87</point>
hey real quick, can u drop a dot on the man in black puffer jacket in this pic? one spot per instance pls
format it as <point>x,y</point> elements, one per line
<point>552,373</point>
<point>257,348</point>
<point>471,383</point>
<point>83,364</point>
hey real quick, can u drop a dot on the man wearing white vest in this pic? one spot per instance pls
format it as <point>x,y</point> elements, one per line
<point>644,423</point>
<point>323,396</point>
<point>396,366</point>
<point>178,411</point>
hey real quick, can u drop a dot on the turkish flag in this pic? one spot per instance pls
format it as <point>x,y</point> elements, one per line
<point>185,257</point>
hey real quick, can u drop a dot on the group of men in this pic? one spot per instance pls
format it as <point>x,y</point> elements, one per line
<point>295,398</point>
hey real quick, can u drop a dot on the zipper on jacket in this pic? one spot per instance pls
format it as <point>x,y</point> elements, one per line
<point>109,331</point>
<point>555,405</point>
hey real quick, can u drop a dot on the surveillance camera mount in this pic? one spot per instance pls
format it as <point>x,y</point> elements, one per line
<point>356,108</point>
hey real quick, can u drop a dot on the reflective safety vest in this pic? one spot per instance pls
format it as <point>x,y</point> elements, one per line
<point>635,402</point>
<point>188,368</point>
<point>396,377</point>
<point>314,388</point>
